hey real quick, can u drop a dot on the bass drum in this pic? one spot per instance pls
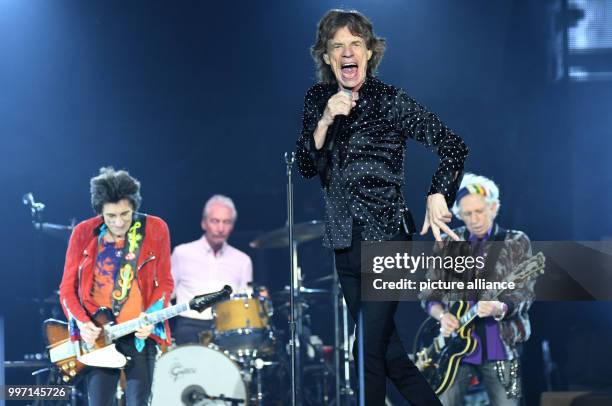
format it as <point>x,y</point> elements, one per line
<point>197,375</point>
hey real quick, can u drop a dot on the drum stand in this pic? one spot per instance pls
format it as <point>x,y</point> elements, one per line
<point>259,364</point>
<point>344,392</point>
<point>342,350</point>
<point>295,320</point>
<point>202,399</point>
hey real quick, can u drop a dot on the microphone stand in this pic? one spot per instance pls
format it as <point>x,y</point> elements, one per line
<point>36,210</point>
<point>342,352</point>
<point>58,230</point>
<point>203,399</point>
<point>295,319</point>
<point>337,336</point>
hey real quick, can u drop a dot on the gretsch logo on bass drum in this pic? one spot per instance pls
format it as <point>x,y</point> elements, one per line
<point>178,371</point>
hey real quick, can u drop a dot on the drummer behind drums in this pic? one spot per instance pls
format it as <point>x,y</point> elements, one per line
<point>206,265</point>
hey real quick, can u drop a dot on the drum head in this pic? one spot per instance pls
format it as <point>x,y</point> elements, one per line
<point>191,374</point>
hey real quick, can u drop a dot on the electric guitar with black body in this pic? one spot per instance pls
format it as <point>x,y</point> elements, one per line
<point>440,361</point>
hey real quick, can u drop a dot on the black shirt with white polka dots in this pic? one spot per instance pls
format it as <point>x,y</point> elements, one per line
<point>366,172</point>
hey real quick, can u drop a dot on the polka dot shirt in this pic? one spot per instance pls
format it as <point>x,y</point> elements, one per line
<point>366,165</point>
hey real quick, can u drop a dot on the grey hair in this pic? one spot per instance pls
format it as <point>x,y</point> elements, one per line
<point>222,200</point>
<point>491,188</point>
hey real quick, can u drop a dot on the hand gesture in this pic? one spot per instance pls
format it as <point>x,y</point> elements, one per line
<point>436,217</point>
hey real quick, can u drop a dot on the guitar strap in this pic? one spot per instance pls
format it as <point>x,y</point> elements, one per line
<point>129,262</point>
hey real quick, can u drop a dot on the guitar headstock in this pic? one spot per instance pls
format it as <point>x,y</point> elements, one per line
<point>529,269</point>
<point>202,302</point>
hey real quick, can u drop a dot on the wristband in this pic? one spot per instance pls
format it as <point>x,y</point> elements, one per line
<point>504,309</point>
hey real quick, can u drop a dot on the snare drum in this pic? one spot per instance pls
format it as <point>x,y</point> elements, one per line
<point>194,374</point>
<point>242,324</point>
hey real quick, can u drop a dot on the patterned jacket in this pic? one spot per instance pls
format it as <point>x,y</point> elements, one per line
<point>515,327</point>
<point>153,271</point>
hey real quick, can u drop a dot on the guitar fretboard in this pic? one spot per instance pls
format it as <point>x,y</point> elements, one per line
<point>129,327</point>
<point>471,314</point>
<point>523,272</point>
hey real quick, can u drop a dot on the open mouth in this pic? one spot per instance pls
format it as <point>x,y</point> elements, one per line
<point>349,70</point>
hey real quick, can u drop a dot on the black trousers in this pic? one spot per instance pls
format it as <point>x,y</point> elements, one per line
<point>102,382</point>
<point>383,352</point>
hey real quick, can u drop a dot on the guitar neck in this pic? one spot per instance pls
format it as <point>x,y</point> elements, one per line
<point>128,327</point>
<point>471,314</point>
<point>528,269</point>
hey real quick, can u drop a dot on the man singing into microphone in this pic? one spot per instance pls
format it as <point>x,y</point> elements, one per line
<point>353,136</point>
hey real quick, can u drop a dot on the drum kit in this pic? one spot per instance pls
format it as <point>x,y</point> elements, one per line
<point>227,367</point>
<point>245,358</point>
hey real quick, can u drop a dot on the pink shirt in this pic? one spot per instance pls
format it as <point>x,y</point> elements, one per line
<point>197,270</point>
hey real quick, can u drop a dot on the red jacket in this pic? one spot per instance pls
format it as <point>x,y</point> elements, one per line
<point>153,271</point>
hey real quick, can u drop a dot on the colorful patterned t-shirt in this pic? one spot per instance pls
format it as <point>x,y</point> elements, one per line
<point>107,265</point>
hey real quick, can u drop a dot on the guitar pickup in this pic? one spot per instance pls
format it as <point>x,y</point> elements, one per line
<point>63,351</point>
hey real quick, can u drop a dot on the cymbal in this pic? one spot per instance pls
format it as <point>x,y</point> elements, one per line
<point>53,299</point>
<point>302,232</point>
<point>326,278</point>
<point>305,293</point>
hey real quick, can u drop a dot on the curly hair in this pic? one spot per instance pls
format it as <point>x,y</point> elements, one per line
<point>358,25</point>
<point>111,186</point>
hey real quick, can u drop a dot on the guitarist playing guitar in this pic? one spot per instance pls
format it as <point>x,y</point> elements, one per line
<point>501,325</point>
<point>119,259</point>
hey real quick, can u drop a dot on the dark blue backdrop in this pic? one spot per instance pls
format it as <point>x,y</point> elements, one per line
<point>199,98</point>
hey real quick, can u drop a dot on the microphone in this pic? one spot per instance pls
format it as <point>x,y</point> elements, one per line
<point>337,125</point>
<point>35,208</point>
<point>28,199</point>
<point>193,394</point>
<point>324,164</point>
<point>333,131</point>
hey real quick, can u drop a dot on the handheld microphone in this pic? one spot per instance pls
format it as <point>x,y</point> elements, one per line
<point>337,125</point>
<point>325,162</point>
<point>334,130</point>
